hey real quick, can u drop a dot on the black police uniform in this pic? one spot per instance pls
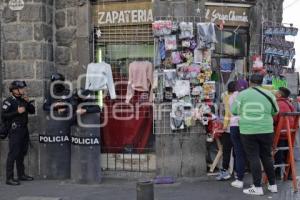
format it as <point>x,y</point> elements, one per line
<point>85,160</point>
<point>18,134</point>
<point>55,163</point>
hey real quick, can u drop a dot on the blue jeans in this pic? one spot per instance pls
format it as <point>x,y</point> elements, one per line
<point>240,156</point>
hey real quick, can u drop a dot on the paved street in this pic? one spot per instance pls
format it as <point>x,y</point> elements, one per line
<point>120,189</point>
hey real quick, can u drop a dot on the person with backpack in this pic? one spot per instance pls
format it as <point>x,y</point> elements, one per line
<point>256,107</point>
<point>15,110</point>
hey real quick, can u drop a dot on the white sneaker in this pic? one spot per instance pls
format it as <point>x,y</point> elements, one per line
<point>273,188</point>
<point>237,184</point>
<point>254,191</point>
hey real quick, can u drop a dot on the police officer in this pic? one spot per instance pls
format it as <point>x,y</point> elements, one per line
<point>55,163</point>
<point>15,111</point>
<point>85,101</point>
<point>59,97</point>
<point>88,119</point>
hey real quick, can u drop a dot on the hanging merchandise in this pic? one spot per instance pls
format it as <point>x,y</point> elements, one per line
<point>226,64</point>
<point>99,77</point>
<point>186,30</point>
<point>197,91</point>
<point>267,79</point>
<point>140,78</point>
<point>182,88</point>
<point>169,77</point>
<point>193,44</point>
<point>278,82</point>
<point>170,42</point>
<point>209,89</point>
<point>168,94</point>
<point>187,57</point>
<point>277,51</point>
<point>185,43</point>
<point>187,71</point>
<point>161,28</point>
<point>206,36</point>
<point>162,49</point>
<point>176,57</point>
<point>177,116</point>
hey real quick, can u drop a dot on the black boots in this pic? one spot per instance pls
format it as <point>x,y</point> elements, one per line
<point>17,181</point>
<point>12,182</point>
<point>25,178</point>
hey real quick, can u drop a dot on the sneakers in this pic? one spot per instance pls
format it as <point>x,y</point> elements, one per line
<point>273,188</point>
<point>237,184</point>
<point>254,191</point>
<point>223,175</point>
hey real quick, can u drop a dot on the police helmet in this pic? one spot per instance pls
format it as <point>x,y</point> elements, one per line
<point>17,85</point>
<point>57,77</point>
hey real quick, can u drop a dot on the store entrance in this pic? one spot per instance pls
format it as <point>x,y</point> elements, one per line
<point>127,121</point>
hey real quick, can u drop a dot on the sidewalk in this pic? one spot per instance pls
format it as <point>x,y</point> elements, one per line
<point>120,189</point>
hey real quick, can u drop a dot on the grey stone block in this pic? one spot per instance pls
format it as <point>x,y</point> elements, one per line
<point>49,15</point>
<point>179,9</point>
<point>43,32</point>
<point>34,50</point>
<point>33,13</point>
<point>62,55</point>
<point>60,19</point>
<point>11,51</point>
<point>8,15</point>
<point>71,17</point>
<point>67,71</point>
<point>65,4</point>
<point>44,69</point>
<point>18,70</point>
<point>50,2</point>
<point>84,52</point>
<point>49,48</point>
<point>74,52</point>
<point>65,37</point>
<point>34,88</point>
<point>18,32</point>
<point>83,20</point>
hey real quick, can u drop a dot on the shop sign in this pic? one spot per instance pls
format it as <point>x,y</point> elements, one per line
<point>123,13</point>
<point>232,16</point>
<point>16,5</point>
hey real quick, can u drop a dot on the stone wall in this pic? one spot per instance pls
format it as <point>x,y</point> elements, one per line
<point>65,50</point>
<point>28,55</point>
<point>38,40</point>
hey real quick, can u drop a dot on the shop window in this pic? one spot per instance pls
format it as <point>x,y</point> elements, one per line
<point>231,43</point>
<point>123,34</point>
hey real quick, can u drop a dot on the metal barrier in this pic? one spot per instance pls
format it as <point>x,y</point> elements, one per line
<point>129,161</point>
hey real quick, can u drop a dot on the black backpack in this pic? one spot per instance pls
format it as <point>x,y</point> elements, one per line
<point>4,129</point>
